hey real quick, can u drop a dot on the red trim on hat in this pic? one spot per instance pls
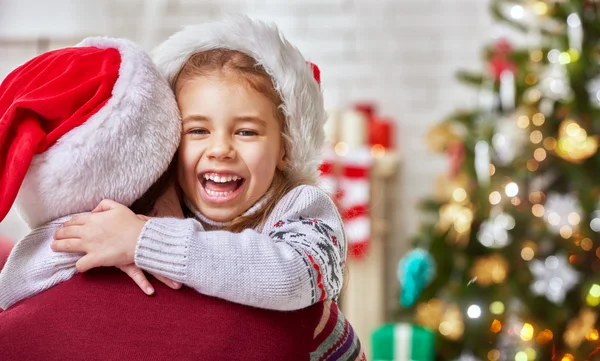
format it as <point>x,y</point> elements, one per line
<point>43,100</point>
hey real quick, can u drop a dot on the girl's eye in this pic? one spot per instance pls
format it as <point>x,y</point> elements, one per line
<point>247,133</point>
<point>198,131</point>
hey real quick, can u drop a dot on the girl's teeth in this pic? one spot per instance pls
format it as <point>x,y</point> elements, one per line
<point>217,194</point>
<point>215,178</point>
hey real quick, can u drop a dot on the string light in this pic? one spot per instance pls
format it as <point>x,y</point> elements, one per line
<point>592,301</point>
<point>495,197</point>
<point>536,137</point>
<point>539,154</point>
<point>573,259</point>
<point>545,336</point>
<point>492,169</point>
<point>532,165</point>
<point>573,130</point>
<point>538,119</point>
<point>523,121</point>
<point>554,218</point>
<point>497,308</point>
<point>496,326</point>
<point>536,197</point>
<point>474,311</point>
<point>534,95</point>
<point>521,356</point>
<point>564,58</point>
<point>592,335</point>
<point>587,244</point>
<point>593,297</point>
<point>540,8</point>
<point>511,189</point>
<point>574,218</point>
<point>493,355</point>
<point>536,56</point>
<point>459,195</point>
<point>526,332</point>
<point>517,12</point>
<point>574,54</point>
<point>566,232</point>
<point>527,253</point>
<point>553,55</point>
<point>567,357</point>
<point>538,210</point>
<point>531,354</point>
<point>530,79</point>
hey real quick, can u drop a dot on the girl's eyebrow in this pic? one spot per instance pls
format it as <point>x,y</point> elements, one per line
<point>252,119</point>
<point>195,118</point>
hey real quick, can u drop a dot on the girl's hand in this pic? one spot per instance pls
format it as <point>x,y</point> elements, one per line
<point>138,276</point>
<point>108,236</point>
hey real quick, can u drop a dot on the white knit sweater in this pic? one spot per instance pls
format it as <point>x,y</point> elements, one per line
<point>296,260</point>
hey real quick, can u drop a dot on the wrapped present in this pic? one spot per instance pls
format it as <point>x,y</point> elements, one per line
<point>403,342</point>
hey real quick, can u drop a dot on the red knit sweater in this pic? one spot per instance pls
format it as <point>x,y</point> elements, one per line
<point>102,315</point>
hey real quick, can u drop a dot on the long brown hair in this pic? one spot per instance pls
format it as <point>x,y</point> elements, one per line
<point>239,64</point>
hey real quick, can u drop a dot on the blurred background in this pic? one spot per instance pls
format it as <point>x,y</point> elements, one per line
<point>435,178</point>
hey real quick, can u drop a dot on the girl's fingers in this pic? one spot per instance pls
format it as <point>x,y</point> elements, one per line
<point>68,232</point>
<point>167,281</point>
<point>70,245</point>
<point>105,205</point>
<point>78,220</point>
<point>86,263</point>
<point>137,275</point>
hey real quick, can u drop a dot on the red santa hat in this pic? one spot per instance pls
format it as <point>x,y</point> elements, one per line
<point>293,77</point>
<point>81,124</point>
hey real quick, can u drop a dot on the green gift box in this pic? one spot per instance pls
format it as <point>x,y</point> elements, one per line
<point>403,342</point>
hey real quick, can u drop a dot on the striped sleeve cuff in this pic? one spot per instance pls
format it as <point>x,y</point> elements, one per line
<point>163,246</point>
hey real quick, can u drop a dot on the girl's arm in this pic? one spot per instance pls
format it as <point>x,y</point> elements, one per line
<point>33,267</point>
<point>297,260</point>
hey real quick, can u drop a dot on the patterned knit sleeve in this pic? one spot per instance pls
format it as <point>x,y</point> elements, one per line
<point>334,337</point>
<point>296,261</point>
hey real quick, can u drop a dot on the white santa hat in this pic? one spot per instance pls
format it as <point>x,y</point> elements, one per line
<point>296,80</point>
<point>81,124</point>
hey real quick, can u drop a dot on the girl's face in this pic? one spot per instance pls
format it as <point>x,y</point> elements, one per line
<point>231,145</point>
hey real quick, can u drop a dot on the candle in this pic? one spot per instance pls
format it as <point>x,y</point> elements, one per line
<point>353,129</point>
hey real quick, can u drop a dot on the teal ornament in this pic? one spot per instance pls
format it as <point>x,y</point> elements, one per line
<point>415,271</point>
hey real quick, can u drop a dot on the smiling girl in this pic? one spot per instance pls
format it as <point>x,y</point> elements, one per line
<point>260,233</point>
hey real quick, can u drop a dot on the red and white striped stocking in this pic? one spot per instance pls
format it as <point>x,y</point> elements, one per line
<point>351,192</point>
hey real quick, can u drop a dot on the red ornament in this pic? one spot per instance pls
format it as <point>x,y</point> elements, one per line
<point>456,154</point>
<point>500,60</point>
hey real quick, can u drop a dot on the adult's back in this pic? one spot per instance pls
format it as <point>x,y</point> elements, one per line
<point>102,315</point>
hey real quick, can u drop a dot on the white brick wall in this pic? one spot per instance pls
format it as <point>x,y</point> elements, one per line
<point>402,54</point>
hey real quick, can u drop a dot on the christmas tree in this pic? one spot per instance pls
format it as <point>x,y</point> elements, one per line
<point>514,227</point>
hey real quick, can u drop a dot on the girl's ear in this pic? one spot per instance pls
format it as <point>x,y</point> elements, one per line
<point>282,161</point>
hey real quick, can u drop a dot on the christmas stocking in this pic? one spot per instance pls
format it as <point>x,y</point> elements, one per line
<point>347,179</point>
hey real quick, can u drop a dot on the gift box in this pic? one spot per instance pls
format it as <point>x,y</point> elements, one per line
<point>403,342</point>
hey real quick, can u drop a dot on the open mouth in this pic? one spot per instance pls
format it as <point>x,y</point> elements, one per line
<point>221,185</point>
